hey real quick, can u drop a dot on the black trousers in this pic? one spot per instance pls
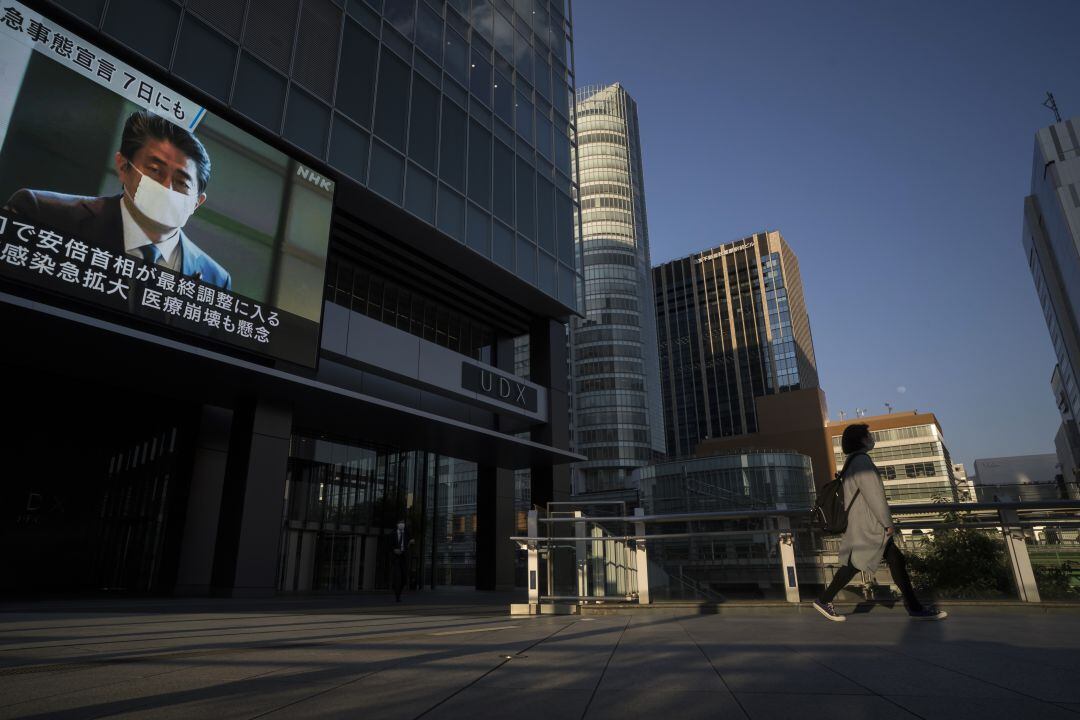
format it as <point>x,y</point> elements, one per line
<point>898,568</point>
<point>400,570</point>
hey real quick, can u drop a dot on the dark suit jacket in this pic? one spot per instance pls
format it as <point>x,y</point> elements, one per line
<point>406,539</point>
<point>97,221</point>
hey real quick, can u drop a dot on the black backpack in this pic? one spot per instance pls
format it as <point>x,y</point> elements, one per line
<point>829,513</point>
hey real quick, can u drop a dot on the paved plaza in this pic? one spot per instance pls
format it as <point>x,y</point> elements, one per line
<point>463,656</point>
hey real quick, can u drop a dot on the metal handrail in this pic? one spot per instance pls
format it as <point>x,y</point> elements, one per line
<point>986,507</point>
<point>605,538</point>
<point>685,517</point>
<point>789,531</point>
<point>922,508</point>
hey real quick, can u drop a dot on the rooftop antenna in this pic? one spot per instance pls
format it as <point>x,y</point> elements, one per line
<point>1051,104</point>
<point>888,406</point>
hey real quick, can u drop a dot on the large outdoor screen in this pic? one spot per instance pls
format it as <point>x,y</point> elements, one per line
<point>117,190</point>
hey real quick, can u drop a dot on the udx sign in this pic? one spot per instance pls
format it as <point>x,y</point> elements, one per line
<point>498,386</point>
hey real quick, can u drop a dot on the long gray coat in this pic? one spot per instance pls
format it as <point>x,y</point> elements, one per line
<point>864,540</point>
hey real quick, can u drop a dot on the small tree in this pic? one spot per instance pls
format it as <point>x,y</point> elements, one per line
<point>962,563</point>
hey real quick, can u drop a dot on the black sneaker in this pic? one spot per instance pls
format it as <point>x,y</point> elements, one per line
<point>828,611</point>
<point>928,613</point>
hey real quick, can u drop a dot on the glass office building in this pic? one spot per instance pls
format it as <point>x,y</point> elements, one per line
<point>732,327</point>
<point>397,175</point>
<point>617,414</point>
<point>1050,235</point>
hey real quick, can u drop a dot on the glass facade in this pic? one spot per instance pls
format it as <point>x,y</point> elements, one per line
<point>457,111</point>
<point>618,419</point>
<point>732,327</point>
<point>369,293</point>
<point>453,542</point>
<point>340,499</point>
<point>1050,233</point>
<point>344,499</point>
<point>757,480</point>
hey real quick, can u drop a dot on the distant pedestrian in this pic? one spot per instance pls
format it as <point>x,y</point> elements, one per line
<point>870,534</point>
<point>400,560</point>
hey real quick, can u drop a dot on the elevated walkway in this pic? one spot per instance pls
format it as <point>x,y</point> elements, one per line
<point>321,658</point>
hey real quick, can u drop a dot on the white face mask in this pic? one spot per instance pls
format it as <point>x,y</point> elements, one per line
<point>162,205</point>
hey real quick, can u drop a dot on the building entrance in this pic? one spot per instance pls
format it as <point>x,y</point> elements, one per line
<point>93,480</point>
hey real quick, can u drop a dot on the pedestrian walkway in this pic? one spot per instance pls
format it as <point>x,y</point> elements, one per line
<point>462,656</point>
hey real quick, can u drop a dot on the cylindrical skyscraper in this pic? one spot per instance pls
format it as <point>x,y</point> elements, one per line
<point>618,420</point>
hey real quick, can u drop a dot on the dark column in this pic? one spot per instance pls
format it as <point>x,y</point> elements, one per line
<point>249,526</point>
<point>548,367</point>
<point>196,563</point>
<point>495,507</point>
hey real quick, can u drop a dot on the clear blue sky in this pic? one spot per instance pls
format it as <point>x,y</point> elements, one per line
<point>891,144</point>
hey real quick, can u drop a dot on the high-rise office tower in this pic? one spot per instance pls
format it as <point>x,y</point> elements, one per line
<point>733,330</point>
<point>1051,237</point>
<point>617,422</point>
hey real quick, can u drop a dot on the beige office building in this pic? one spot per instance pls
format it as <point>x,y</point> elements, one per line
<point>911,454</point>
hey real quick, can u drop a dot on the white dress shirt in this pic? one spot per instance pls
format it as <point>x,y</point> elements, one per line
<point>135,238</point>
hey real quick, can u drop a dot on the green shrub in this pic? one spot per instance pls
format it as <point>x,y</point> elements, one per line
<point>961,563</point>
<point>1055,581</point>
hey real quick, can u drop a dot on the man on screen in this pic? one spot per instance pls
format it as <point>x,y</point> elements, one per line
<point>164,170</point>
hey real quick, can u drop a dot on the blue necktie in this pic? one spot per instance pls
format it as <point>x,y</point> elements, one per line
<point>150,253</point>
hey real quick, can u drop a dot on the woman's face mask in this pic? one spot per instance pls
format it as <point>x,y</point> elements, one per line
<point>162,205</point>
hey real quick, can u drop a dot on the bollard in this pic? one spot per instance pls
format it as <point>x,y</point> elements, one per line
<point>641,558</point>
<point>531,526</point>
<point>787,561</point>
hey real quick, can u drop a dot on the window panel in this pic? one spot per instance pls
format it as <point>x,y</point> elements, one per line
<point>504,98</point>
<point>424,124</point>
<point>543,136</point>
<point>523,57</point>
<point>503,186</point>
<point>543,75</point>
<point>564,229</point>
<point>420,194</point>
<point>451,214</point>
<point>502,246</point>
<point>387,172</point>
<point>479,165</point>
<point>391,109</point>
<point>399,13</point>
<point>526,260</point>
<point>429,33</point>
<point>504,37</point>
<point>523,112</point>
<point>452,146</point>
<point>349,148</point>
<point>479,231</point>
<point>526,196</point>
<point>480,78</point>
<point>545,215</point>
<point>456,58</point>
<point>356,78</point>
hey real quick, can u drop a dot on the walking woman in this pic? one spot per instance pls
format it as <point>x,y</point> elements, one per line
<point>870,533</point>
